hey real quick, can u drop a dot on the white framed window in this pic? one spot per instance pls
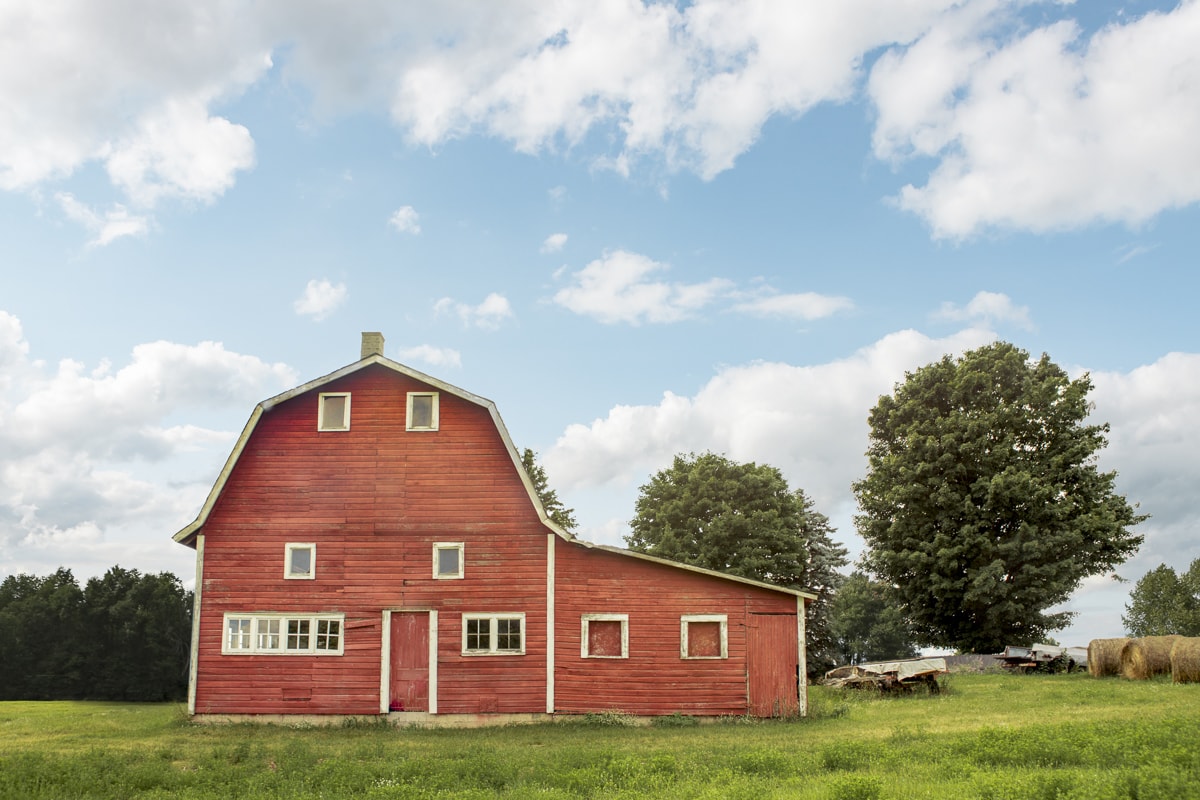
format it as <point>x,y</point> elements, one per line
<point>283,634</point>
<point>300,561</point>
<point>333,412</point>
<point>604,636</point>
<point>704,636</point>
<point>422,411</point>
<point>448,561</point>
<point>493,634</point>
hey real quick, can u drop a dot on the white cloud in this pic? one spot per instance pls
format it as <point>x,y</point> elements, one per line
<point>178,150</point>
<point>554,243</point>
<point>320,299</point>
<point>804,305</point>
<point>93,472</point>
<point>435,356</point>
<point>488,315</point>
<point>987,308</point>
<point>1046,130</point>
<point>406,220</point>
<point>114,224</point>
<point>618,288</point>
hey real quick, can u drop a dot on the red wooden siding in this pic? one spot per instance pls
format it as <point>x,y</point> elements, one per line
<point>654,679</point>
<point>373,499</point>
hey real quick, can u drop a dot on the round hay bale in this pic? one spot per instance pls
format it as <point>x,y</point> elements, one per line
<point>1146,657</point>
<point>1104,656</point>
<point>1185,660</point>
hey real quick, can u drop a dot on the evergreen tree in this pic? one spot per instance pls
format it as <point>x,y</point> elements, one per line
<point>1163,603</point>
<point>558,513</point>
<point>867,625</point>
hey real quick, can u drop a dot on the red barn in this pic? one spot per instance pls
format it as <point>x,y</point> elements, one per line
<point>373,546</point>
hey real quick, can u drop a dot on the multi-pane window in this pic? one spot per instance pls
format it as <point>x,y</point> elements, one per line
<point>448,560</point>
<point>604,636</point>
<point>333,413</point>
<point>299,561</point>
<point>703,636</point>
<point>283,634</point>
<point>493,634</point>
<point>422,413</point>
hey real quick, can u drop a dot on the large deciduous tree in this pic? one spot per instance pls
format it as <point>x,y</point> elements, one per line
<point>867,625</point>
<point>742,519</point>
<point>1163,603</point>
<point>982,505</point>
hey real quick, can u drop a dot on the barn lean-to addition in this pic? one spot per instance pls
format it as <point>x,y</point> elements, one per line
<point>373,546</point>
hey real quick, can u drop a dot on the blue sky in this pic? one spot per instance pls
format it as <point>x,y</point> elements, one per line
<point>641,229</point>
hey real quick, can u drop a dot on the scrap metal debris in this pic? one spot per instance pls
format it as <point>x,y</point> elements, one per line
<point>889,676</point>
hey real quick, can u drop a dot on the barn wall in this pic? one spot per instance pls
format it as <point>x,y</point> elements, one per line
<point>653,679</point>
<point>373,499</point>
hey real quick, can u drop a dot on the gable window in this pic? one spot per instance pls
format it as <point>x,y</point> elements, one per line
<point>299,561</point>
<point>605,636</point>
<point>493,634</point>
<point>704,636</point>
<point>448,560</point>
<point>283,634</point>
<point>333,413</point>
<point>422,414</point>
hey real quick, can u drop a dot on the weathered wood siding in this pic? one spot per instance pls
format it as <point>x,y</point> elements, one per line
<point>654,678</point>
<point>373,499</point>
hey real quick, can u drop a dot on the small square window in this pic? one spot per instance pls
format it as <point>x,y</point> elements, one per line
<point>329,634</point>
<point>300,561</point>
<point>334,412</point>
<point>238,633</point>
<point>605,636</point>
<point>298,631</point>
<point>448,560</point>
<point>268,634</point>
<point>422,411</point>
<point>704,636</point>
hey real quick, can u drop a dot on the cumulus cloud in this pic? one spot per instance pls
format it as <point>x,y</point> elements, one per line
<point>406,220</point>
<point>619,288</point>
<point>1012,117</point>
<point>93,469</point>
<point>488,315</point>
<point>986,308</point>
<point>105,228</point>
<point>1018,126</point>
<point>554,243</point>
<point>320,299</point>
<point>434,356</point>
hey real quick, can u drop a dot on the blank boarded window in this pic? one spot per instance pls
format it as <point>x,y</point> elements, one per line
<point>604,638</point>
<point>703,636</point>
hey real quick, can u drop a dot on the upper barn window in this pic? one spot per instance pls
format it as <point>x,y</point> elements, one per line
<point>299,560</point>
<point>334,411</point>
<point>422,411</point>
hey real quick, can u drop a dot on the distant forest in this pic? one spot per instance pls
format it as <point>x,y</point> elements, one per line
<point>122,637</point>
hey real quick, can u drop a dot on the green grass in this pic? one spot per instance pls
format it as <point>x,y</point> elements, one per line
<point>1034,737</point>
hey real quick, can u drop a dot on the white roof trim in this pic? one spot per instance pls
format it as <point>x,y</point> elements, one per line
<point>186,534</point>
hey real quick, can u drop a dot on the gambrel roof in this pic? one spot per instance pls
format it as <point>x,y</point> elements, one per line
<point>187,535</point>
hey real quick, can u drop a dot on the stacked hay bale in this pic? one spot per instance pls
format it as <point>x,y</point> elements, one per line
<point>1185,660</point>
<point>1104,656</point>
<point>1146,657</point>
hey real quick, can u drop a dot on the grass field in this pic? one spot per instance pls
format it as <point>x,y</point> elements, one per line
<point>997,736</point>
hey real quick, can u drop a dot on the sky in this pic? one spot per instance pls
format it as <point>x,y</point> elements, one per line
<point>641,229</point>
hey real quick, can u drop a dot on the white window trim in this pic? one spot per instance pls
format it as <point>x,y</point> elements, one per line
<point>586,619</point>
<point>288,549</point>
<point>445,576</point>
<point>314,621</point>
<point>683,634</point>
<point>434,416</point>
<point>321,411</point>
<point>492,650</point>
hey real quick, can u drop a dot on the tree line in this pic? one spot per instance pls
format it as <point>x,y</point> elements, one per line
<point>124,637</point>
